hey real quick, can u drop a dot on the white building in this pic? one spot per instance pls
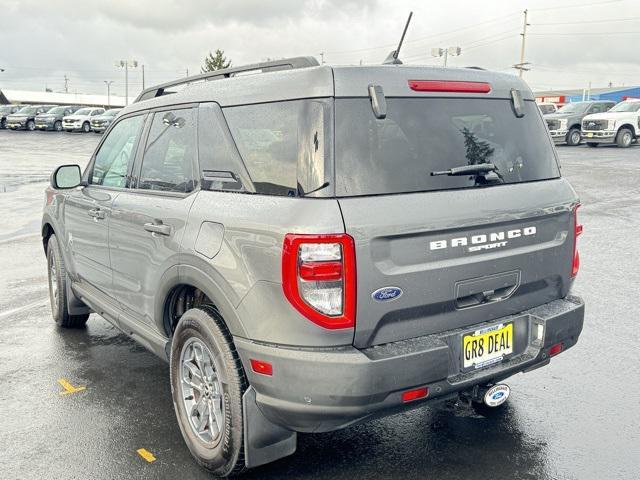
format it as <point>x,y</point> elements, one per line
<point>54,98</point>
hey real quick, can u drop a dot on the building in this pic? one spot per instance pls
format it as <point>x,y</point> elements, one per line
<point>24,97</point>
<point>617,94</point>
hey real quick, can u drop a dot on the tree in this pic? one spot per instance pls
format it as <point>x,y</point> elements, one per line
<point>215,62</point>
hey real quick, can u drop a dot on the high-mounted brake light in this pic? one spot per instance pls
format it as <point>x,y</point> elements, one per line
<point>577,230</point>
<point>319,278</point>
<point>451,86</point>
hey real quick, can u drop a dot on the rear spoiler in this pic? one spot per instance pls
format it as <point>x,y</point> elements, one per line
<point>270,66</point>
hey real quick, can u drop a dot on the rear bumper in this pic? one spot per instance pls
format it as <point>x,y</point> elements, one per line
<point>327,389</point>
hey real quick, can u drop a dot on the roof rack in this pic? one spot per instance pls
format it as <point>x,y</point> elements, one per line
<point>270,66</point>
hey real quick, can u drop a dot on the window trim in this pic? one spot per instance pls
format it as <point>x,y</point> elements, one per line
<point>136,169</point>
<point>87,175</point>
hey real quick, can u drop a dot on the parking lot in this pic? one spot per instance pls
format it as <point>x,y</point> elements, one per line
<point>80,404</point>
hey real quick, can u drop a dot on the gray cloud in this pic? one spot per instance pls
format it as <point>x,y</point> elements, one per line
<point>43,41</point>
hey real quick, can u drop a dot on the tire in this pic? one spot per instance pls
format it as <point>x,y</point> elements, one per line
<point>624,138</point>
<point>57,274</point>
<point>3,124</point>
<point>31,125</point>
<point>57,126</point>
<point>592,144</point>
<point>574,137</point>
<point>219,450</point>
<point>86,127</point>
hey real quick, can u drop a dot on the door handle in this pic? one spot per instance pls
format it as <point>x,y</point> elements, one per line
<point>158,228</point>
<point>97,214</point>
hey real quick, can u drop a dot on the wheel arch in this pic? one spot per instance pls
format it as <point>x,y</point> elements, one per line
<point>628,126</point>
<point>186,286</point>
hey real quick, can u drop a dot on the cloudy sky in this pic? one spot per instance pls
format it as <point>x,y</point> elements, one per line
<point>569,44</point>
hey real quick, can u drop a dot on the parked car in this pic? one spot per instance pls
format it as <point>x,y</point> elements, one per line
<point>25,118</point>
<point>81,119</point>
<point>320,246</point>
<point>546,108</point>
<point>52,119</point>
<point>5,111</point>
<point>100,123</point>
<point>620,125</point>
<point>565,125</point>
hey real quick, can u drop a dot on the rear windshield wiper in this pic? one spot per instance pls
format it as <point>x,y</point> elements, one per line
<point>477,169</point>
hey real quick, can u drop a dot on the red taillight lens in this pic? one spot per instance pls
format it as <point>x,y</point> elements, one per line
<point>319,278</point>
<point>263,368</point>
<point>555,349</point>
<point>577,230</point>
<point>416,394</point>
<point>449,86</point>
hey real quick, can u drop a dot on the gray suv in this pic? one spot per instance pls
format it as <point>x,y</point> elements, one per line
<point>311,246</point>
<point>565,125</point>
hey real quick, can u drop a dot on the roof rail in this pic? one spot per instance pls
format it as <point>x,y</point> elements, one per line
<point>270,66</point>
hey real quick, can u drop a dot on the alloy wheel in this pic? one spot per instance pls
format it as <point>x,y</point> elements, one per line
<point>201,392</point>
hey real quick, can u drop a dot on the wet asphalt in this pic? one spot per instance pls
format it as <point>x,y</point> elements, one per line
<point>578,418</point>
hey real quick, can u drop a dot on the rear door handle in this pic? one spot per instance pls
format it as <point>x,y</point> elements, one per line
<point>97,214</point>
<point>159,228</point>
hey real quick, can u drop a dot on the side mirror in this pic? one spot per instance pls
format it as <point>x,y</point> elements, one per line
<point>66,176</point>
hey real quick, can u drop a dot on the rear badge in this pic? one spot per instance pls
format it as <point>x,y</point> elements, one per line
<point>386,294</point>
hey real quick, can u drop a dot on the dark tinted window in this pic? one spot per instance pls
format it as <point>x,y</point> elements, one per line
<point>117,153</point>
<point>267,138</point>
<point>170,152</point>
<point>420,136</point>
<point>221,167</point>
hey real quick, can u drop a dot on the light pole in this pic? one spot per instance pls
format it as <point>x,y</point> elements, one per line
<point>108,83</point>
<point>126,64</point>
<point>445,52</point>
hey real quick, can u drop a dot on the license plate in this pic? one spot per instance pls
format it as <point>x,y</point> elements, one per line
<point>487,346</point>
<point>589,135</point>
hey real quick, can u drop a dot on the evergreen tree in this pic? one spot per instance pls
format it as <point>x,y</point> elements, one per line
<point>215,62</point>
<point>478,151</point>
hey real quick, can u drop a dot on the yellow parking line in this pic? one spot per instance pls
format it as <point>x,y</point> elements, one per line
<point>146,454</point>
<point>68,388</point>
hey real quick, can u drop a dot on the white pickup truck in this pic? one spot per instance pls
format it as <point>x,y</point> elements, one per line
<point>620,125</point>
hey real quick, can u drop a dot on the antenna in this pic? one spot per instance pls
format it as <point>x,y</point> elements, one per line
<point>392,58</point>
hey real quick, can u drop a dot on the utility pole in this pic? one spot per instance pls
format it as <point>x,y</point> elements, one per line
<point>142,77</point>
<point>108,83</point>
<point>445,52</point>
<point>66,84</point>
<point>522,66</point>
<point>126,64</point>
<point>322,58</point>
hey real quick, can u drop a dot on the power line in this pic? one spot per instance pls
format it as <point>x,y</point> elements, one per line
<point>587,22</point>
<point>582,34</point>
<point>575,5</point>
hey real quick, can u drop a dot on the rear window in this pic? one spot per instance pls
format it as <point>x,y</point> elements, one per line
<point>420,136</point>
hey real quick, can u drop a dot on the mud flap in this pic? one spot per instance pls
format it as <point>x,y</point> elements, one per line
<point>74,304</point>
<point>264,441</point>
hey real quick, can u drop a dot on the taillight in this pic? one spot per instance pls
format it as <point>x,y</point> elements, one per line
<point>451,86</point>
<point>319,278</point>
<point>577,230</point>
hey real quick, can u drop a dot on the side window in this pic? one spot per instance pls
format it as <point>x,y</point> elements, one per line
<point>267,138</point>
<point>170,153</point>
<point>597,108</point>
<point>116,153</point>
<point>608,107</point>
<point>221,167</point>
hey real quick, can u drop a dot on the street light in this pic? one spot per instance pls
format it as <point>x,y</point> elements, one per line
<point>445,52</point>
<point>126,64</point>
<point>108,83</point>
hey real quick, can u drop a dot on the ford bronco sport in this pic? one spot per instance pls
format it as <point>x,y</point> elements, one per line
<point>312,246</point>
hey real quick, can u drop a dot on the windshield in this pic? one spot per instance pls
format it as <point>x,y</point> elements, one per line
<point>626,107</point>
<point>419,136</point>
<point>57,110</point>
<point>573,108</point>
<point>110,113</point>
<point>547,108</point>
<point>83,111</point>
<point>28,110</point>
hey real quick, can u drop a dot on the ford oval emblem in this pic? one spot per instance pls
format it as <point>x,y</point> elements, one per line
<point>385,294</point>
